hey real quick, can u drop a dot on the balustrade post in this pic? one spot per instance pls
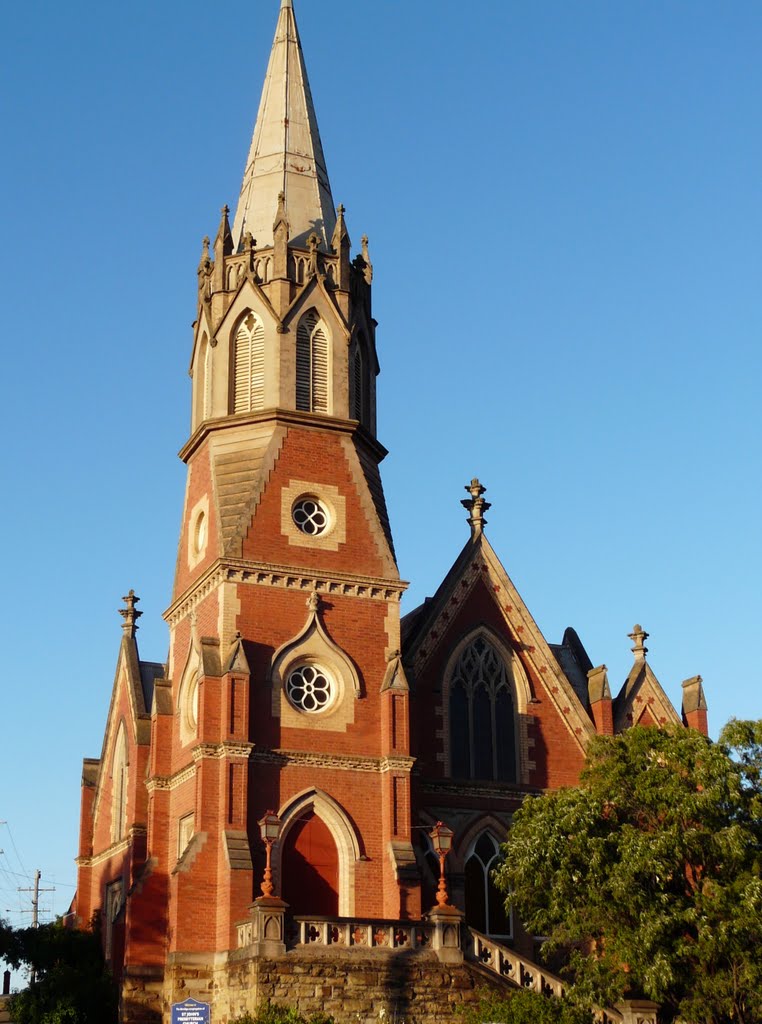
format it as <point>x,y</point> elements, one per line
<point>638,1011</point>
<point>268,914</point>
<point>445,940</point>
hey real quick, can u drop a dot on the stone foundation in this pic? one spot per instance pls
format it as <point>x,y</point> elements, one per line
<point>366,988</point>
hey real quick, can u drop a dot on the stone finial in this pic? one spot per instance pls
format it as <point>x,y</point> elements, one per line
<point>223,243</point>
<point>340,237</point>
<point>637,636</point>
<point>313,243</point>
<point>476,506</point>
<point>205,260</point>
<point>313,602</point>
<point>280,213</point>
<point>130,614</point>
<point>366,258</point>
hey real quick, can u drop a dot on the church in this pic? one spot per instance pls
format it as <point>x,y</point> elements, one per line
<point>294,695</point>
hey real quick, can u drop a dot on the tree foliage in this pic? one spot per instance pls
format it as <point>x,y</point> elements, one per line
<point>649,872</point>
<point>524,1007</point>
<point>71,983</point>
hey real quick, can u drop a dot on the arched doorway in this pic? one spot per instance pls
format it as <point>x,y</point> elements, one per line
<point>310,868</point>
<point>485,906</point>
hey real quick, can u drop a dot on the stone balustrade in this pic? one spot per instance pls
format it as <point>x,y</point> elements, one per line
<point>506,963</point>
<point>367,934</point>
<point>510,965</point>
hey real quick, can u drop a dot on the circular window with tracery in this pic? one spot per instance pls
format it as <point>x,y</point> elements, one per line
<point>310,516</point>
<point>310,688</point>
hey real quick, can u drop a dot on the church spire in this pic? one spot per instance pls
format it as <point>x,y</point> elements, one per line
<point>286,154</point>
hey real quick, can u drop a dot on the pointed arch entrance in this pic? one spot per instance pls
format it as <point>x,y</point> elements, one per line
<point>315,860</point>
<point>310,868</point>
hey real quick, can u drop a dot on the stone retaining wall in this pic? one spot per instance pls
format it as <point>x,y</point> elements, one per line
<point>375,987</point>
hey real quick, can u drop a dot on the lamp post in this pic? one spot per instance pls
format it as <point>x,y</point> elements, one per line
<point>269,829</point>
<point>441,840</point>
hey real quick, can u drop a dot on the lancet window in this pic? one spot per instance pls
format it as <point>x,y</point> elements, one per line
<point>485,905</point>
<point>249,371</point>
<point>482,719</point>
<point>311,364</point>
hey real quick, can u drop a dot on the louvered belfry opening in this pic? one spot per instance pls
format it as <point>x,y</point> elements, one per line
<point>311,364</point>
<point>249,386</point>
<point>358,399</point>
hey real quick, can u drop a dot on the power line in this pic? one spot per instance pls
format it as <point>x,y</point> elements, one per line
<point>15,849</point>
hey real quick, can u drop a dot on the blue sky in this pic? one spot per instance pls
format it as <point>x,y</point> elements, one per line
<point>564,210</point>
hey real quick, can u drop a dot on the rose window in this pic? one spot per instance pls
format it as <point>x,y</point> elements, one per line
<point>310,516</point>
<point>309,688</point>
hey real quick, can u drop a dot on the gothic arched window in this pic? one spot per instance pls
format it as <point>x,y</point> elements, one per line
<point>119,787</point>
<point>311,364</point>
<point>485,906</point>
<point>249,366</point>
<point>482,721</point>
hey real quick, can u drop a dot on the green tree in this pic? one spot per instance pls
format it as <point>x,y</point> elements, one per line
<point>648,873</point>
<point>72,984</point>
<point>523,1007</point>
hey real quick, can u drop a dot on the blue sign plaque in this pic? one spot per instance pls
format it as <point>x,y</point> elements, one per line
<point>191,1012</point>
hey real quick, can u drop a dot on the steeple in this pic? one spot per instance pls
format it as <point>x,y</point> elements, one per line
<point>286,154</point>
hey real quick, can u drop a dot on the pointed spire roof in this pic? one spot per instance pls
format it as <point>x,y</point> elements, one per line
<point>286,154</point>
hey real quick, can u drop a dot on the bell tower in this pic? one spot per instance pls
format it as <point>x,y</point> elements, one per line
<point>286,690</point>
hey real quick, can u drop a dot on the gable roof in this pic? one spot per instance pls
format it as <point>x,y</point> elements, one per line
<point>642,695</point>
<point>478,561</point>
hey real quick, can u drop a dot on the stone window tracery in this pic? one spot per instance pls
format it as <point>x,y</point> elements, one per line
<point>310,516</point>
<point>482,720</point>
<point>310,688</point>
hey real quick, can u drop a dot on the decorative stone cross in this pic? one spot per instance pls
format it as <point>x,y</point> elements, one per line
<point>476,506</point>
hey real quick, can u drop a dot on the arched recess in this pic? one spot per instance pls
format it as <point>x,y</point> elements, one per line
<point>312,364</point>
<point>300,809</point>
<point>202,378</point>
<point>485,904</point>
<point>208,353</point>
<point>119,784</point>
<point>312,646</point>
<point>188,698</point>
<point>485,691</point>
<point>248,390</point>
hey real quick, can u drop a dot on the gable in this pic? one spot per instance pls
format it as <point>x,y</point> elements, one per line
<point>477,590</point>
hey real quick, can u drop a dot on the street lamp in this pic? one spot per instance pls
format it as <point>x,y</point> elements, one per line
<point>441,840</point>
<point>269,829</point>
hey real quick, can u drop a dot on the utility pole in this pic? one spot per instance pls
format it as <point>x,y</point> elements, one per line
<point>36,890</point>
<point>36,898</point>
